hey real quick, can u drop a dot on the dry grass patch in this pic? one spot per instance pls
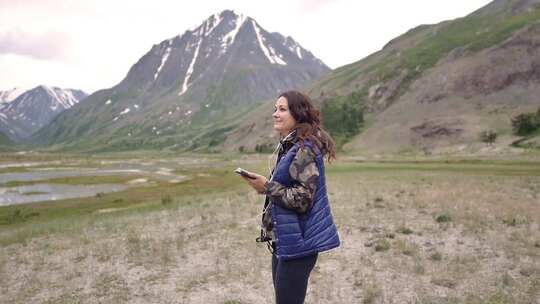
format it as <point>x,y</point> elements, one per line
<point>198,247</point>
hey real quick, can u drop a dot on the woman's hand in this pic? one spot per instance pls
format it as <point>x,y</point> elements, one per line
<point>256,183</point>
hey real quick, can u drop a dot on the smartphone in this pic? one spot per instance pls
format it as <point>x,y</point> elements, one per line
<point>243,173</point>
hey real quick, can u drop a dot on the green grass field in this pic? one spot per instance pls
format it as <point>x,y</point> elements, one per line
<point>416,231</point>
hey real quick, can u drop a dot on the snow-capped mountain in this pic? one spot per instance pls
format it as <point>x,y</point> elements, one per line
<point>225,48</point>
<point>35,108</point>
<point>228,61</point>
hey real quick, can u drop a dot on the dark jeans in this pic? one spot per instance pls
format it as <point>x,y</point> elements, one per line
<point>291,278</point>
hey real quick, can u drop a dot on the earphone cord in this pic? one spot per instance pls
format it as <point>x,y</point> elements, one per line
<point>269,160</point>
<point>258,215</point>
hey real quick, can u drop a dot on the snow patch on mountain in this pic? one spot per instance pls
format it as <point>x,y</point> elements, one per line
<point>10,95</point>
<point>299,52</point>
<point>191,66</point>
<point>64,98</point>
<point>163,60</point>
<point>269,52</point>
<point>212,23</point>
<point>228,38</point>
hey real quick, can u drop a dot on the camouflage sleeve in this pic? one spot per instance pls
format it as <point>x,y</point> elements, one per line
<point>299,196</point>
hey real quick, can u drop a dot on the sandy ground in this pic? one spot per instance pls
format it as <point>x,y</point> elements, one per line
<point>407,237</point>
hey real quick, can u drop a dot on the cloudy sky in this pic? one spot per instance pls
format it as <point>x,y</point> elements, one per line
<point>91,45</point>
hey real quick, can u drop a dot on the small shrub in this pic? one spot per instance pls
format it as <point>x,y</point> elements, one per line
<point>405,230</point>
<point>17,216</point>
<point>31,214</point>
<point>406,248</point>
<point>515,221</point>
<point>488,136</point>
<point>443,218</point>
<point>525,123</point>
<point>166,199</point>
<point>436,256</point>
<point>382,245</point>
<point>444,282</point>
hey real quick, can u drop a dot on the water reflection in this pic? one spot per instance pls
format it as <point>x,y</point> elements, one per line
<point>46,192</point>
<point>50,173</point>
<point>51,192</point>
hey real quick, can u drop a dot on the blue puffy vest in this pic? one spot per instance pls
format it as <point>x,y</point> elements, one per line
<point>298,235</point>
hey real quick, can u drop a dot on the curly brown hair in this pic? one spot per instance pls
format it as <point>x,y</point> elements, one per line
<point>308,122</point>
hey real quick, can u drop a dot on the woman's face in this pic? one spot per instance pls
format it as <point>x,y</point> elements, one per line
<point>284,122</point>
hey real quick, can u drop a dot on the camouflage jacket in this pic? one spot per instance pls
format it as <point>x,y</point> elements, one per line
<point>299,197</point>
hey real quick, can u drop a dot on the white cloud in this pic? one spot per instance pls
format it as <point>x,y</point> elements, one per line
<point>49,45</point>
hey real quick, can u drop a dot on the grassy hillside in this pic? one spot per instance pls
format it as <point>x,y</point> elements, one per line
<point>167,125</point>
<point>420,57</point>
<point>4,140</point>
<point>6,144</point>
<point>421,48</point>
<point>454,80</point>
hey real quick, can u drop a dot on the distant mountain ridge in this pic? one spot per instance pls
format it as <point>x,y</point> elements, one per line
<point>23,113</point>
<point>195,83</point>
<point>434,88</point>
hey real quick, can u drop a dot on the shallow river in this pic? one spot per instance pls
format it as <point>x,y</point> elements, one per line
<point>48,192</point>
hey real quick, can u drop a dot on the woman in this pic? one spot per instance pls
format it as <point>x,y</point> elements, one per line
<point>297,221</point>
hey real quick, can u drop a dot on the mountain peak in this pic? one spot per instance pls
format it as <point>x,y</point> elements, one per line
<point>229,14</point>
<point>213,21</point>
<point>33,109</point>
<point>229,60</point>
<point>223,42</point>
<point>46,88</point>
